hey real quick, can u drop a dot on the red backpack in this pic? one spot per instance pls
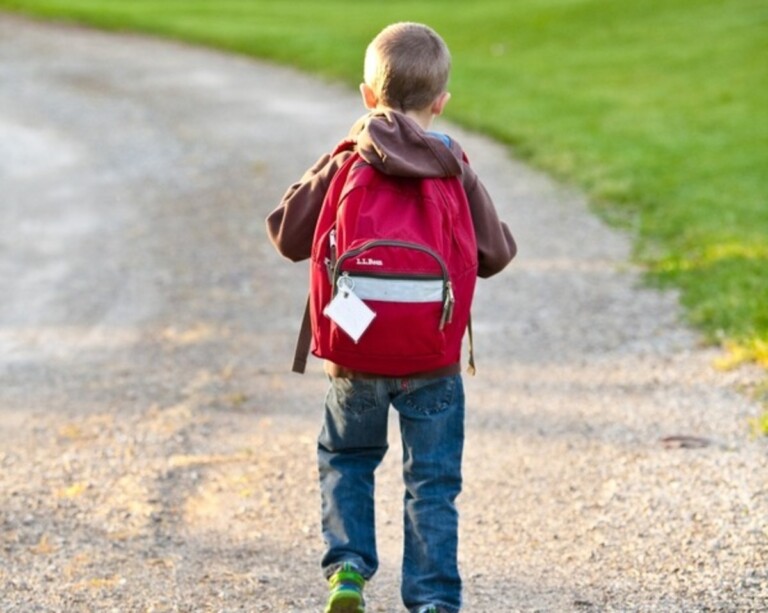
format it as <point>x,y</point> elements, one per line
<point>393,272</point>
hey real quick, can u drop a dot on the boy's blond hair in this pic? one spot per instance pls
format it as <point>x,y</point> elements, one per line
<point>407,66</point>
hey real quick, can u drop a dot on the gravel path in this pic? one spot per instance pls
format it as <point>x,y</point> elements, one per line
<point>156,453</point>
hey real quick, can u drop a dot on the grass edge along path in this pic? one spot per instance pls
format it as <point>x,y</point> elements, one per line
<point>655,109</point>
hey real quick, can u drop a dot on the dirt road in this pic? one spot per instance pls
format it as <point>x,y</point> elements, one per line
<point>156,453</point>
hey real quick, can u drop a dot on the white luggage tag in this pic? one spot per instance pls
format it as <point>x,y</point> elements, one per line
<point>347,311</point>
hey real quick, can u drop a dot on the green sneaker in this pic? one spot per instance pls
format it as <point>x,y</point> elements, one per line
<point>346,591</point>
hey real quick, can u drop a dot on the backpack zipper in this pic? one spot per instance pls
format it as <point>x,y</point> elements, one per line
<point>448,296</point>
<point>330,262</point>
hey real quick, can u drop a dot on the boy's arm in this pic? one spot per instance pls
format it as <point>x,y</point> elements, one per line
<point>495,245</point>
<point>291,226</point>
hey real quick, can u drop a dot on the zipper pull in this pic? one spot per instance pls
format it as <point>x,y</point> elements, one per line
<point>345,284</point>
<point>447,316</point>
<point>330,262</point>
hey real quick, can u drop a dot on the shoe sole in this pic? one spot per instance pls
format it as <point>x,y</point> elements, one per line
<point>346,603</point>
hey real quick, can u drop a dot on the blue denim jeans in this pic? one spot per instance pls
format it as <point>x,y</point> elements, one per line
<point>351,445</point>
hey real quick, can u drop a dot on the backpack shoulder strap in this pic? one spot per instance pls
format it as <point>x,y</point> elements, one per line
<point>347,144</point>
<point>304,340</point>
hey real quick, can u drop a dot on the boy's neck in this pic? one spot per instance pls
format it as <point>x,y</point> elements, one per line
<point>423,117</point>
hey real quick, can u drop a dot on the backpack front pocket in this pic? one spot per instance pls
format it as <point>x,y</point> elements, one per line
<point>408,288</point>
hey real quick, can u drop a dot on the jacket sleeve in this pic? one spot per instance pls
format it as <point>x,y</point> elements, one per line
<point>495,245</point>
<point>291,226</point>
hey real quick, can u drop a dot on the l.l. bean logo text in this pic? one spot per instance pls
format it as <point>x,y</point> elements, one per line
<point>368,262</point>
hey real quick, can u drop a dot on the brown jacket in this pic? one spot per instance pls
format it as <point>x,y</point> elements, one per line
<point>396,145</point>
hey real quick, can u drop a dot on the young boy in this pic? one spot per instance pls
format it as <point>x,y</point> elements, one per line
<point>406,73</point>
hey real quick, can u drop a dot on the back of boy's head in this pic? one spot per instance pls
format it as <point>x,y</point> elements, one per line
<point>407,66</point>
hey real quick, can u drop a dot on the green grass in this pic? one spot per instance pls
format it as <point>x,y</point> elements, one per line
<point>656,108</point>
<point>760,425</point>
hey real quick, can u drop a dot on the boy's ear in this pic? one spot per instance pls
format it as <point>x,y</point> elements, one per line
<point>370,100</point>
<point>439,104</point>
